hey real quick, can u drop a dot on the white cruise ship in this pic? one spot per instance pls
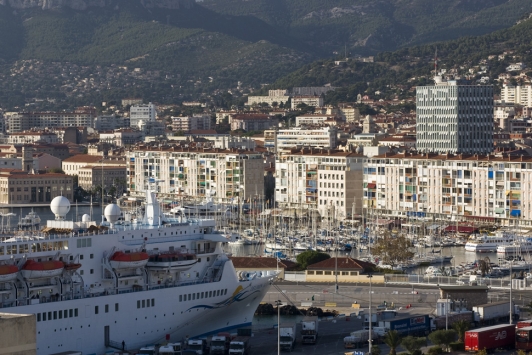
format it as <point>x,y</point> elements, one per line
<point>488,243</point>
<point>92,287</point>
<point>518,246</point>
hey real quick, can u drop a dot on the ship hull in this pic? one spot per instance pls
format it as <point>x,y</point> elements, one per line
<point>146,317</point>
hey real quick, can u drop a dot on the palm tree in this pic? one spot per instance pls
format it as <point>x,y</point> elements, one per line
<point>393,340</point>
<point>461,327</point>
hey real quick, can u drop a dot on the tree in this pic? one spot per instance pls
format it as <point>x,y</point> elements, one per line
<point>56,170</point>
<point>393,340</point>
<point>310,257</point>
<point>412,344</point>
<point>461,327</point>
<point>375,350</point>
<point>443,337</point>
<point>393,251</point>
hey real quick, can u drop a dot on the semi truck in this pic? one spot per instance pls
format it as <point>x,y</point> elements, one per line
<point>419,325</point>
<point>287,336</point>
<point>171,349</point>
<point>198,345</point>
<point>309,330</point>
<point>240,345</point>
<point>357,338</point>
<point>490,338</point>
<point>220,344</point>
<point>523,338</point>
<point>491,313</point>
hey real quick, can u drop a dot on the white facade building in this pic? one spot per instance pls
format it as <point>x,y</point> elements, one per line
<point>221,174</point>
<point>329,182</point>
<point>520,95</point>
<point>454,118</point>
<point>297,138</point>
<point>310,100</point>
<point>110,122</point>
<point>189,123</point>
<point>24,121</point>
<point>144,113</point>
<point>277,96</point>
<point>450,186</point>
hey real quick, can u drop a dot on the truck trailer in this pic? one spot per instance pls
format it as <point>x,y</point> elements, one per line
<point>490,338</point>
<point>523,338</point>
<point>309,330</point>
<point>287,336</point>
<point>419,325</point>
<point>491,313</point>
<point>357,338</point>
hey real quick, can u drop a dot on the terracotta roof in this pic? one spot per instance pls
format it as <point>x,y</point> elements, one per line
<point>243,262</point>
<point>83,158</point>
<point>344,263</point>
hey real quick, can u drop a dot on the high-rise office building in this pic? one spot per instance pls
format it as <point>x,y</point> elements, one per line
<point>454,118</point>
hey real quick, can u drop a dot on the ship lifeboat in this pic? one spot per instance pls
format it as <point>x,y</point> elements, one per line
<point>42,269</point>
<point>72,266</point>
<point>8,273</point>
<point>121,260</point>
<point>172,261</point>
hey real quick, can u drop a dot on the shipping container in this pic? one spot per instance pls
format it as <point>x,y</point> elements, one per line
<point>491,313</point>
<point>523,338</point>
<point>490,338</point>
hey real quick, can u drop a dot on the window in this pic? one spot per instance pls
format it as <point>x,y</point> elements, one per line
<point>38,317</point>
<point>106,308</point>
<point>202,295</point>
<point>65,313</point>
<point>55,314</point>
<point>96,309</point>
<point>138,304</point>
<point>327,273</point>
<point>44,316</point>
<point>75,312</point>
<point>91,256</point>
<point>310,272</point>
<point>60,314</point>
<point>70,313</point>
<point>319,272</point>
<point>116,307</point>
<point>180,298</point>
<point>92,271</point>
<point>148,303</point>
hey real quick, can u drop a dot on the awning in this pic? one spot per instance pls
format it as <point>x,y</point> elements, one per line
<point>500,183</point>
<point>515,213</point>
<point>499,210</point>
<point>434,226</point>
<point>372,186</point>
<point>311,172</point>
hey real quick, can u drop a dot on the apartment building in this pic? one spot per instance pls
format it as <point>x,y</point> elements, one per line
<point>309,100</point>
<point>224,174</point>
<point>145,113</point>
<point>275,97</point>
<point>450,186</point>
<point>32,137</point>
<point>519,95</point>
<point>297,138</point>
<point>18,187</point>
<point>24,121</point>
<point>190,123</point>
<point>106,175</point>
<point>110,122</point>
<point>316,119</point>
<point>253,122</point>
<point>327,181</point>
<point>454,118</point>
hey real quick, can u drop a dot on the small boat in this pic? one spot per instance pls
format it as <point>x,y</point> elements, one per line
<point>8,273</point>
<point>172,260</point>
<point>42,269</point>
<point>72,266</point>
<point>121,260</point>
<point>30,221</point>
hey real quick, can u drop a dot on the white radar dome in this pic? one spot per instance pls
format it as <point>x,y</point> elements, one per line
<point>112,213</point>
<point>60,206</point>
<point>85,218</point>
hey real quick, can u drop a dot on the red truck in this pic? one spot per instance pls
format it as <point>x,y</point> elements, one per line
<point>523,338</point>
<point>489,338</point>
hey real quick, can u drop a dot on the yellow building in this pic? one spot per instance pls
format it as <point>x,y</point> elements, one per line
<point>252,264</point>
<point>18,187</point>
<point>347,269</point>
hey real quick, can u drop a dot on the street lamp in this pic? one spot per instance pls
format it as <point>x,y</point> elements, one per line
<point>370,320</point>
<point>511,310</point>
<point>278,303</point>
